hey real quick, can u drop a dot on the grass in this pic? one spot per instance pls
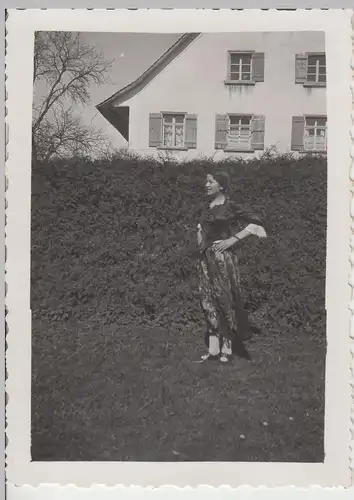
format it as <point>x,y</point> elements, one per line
<point>117,325</point>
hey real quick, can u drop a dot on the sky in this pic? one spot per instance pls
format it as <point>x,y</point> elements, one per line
<point>132,54</point>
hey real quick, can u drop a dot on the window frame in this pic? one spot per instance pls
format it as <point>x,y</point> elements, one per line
<point>173,114</point>
<point>316,83</point>
<point>239,147</point>
<point>315,127</point>
<point>229,81</point>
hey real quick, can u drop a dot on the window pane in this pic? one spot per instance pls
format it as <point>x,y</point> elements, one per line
<point>321,122</point>
<point>179,118</point>
<point>246,76</point>
<point>179,136</point>
<point>312,60</point>
<point>309,143</point>
<point>235,58</point>
<point>316,59</point>
<point>322,70</point>
<point>234,120</point>
<point>246,59</point>
<point>310,132</point>
<point>235,67</point>
<point>246,68</point>
<point>322,78</point>
<point>239,141</point>
<point>311,77</point>
<point>234,76</point>
<point>167,118</point>
<point>320,142</point>
<point>167,135</point>
<point>310,122</point>
<point>245,120</point>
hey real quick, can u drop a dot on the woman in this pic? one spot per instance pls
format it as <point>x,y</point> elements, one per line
<point>222,227</point>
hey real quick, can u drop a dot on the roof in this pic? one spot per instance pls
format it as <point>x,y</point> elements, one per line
<point>136,86</point>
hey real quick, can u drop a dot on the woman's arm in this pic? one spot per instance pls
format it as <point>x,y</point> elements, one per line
<point>252,222</point>
<point>254,229</point>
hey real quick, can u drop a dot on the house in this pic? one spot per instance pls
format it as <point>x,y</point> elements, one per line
<point>227,94</point>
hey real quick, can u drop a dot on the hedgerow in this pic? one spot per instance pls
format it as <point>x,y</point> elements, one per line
<point>115,239</point>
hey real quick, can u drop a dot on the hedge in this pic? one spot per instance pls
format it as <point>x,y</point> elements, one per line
<point>116,240</point>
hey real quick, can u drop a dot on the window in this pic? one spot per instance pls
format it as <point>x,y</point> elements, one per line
<point>245,68</point>
<point>309,133</point>
<point>173,131</point>
<point>316,68</point>
<point>239,132</point>
<point>240,67</point>
<point>239,136</point>
<point>310,69</point>
<point>315,134</point>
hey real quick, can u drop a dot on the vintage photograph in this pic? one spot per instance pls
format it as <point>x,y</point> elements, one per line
<point>178,246</point>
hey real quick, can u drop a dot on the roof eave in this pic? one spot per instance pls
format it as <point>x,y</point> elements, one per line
<point>133,88</point>
<point>118,117</point>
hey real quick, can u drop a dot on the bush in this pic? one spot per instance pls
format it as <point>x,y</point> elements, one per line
<point>116,239</point>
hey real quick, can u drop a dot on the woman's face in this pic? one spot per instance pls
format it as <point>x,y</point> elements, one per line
<point>212,186</point>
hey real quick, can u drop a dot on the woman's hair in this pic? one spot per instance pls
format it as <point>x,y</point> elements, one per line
<point>223,179</point>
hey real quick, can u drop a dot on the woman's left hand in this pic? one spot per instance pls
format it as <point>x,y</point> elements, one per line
<point>223,245</point>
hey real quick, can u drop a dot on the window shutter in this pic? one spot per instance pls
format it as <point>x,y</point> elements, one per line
<point>155,130</point>
<point>191,132</point>
<point>297,133</point>
<point>258,66</point>
<point>221,131</point>
<point>258,129</point>
<point>300,68</point>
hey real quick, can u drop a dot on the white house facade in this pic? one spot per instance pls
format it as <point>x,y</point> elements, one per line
<point>227,94</point>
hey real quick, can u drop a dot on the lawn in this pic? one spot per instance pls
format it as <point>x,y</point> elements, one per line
<point>117,327</point>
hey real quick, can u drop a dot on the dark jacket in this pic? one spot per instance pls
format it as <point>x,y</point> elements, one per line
<point>226,220</point>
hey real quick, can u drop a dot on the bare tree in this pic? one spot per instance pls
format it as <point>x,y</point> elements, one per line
<point>67,67</point>
<point>63,135</point>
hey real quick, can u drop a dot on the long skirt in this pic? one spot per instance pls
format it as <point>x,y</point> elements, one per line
<point>222,301</point>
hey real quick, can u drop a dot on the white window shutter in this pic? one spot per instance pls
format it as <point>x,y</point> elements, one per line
<point>297,133</point>
<point>221,131</point>
<point>258,66</point>
<point>300,68</point>
<point>155,130</point>
<point>257,130</point>
<point>191,132</point>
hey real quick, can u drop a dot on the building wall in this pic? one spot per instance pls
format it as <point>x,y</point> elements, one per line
<point>194,83</point>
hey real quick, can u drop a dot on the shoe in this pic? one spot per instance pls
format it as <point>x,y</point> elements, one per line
<point>224,358</point>
<point>209,357</point>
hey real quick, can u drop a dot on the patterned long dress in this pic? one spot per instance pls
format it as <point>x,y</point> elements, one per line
<point>221,295</point>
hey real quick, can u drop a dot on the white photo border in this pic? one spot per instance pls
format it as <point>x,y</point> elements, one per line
<point>335,471</point>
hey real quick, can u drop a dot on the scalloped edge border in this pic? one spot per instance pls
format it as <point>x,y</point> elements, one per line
<point>351,259</point>
<point>351,305</point>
